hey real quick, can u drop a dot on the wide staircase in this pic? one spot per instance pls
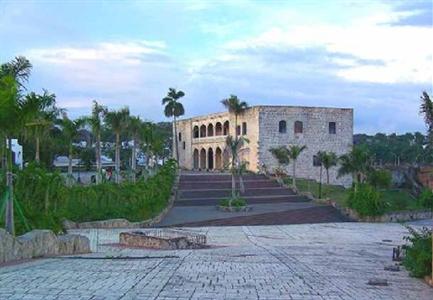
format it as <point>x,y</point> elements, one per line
<point>208,189</point>
<point>200,192</point>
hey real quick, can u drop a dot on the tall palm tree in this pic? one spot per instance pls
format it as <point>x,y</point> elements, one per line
<point>320,156</point>
<point>95,121</point>
<point>232,149</point>
<point>281,154</point>
<point>328,159</point>
<point>10,121</point>
<point>70,130</point>
<point>236,107</point>
<point>12,77</point>
<point>39,113</point>
<point>173,108</point>
<point>117,121</point>
<point>294,151</point>
<point>135,126</point>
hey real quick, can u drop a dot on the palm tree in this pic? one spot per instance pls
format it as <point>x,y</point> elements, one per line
<point>320,156</point>
<point>173,108</point>
<point>10,121</point>
<point>135,126</point>
<point>233,148</point>
<point>39,113</point>
<point>242,169</point>
<point>328,159</point>
<point>357,163</point>
<point>294,151</point>
<point>236,107</point>
<point>70,129</point>
<point>95,122</point>
<point>281,154</point>
<point>19,68</point>
<point>117,121</point>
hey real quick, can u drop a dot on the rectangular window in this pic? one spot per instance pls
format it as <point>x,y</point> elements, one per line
<point>316,161</point>
<point>238,130</point>
<point>180,137</point>
<point>332,128</point>
<point>183,145</point>
<point>244,128</point>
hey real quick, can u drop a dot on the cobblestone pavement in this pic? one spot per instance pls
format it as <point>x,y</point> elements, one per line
<point>316,261</point>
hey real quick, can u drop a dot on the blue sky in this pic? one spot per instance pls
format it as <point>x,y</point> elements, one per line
<point>373,56</point>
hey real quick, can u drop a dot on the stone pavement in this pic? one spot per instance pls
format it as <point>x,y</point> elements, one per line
<point>314,261</point>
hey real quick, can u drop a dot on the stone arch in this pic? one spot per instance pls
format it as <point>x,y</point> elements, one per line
<point>195,132</point>
<point>218,159</point>
<point>203,131</point>
<point>203,159</point>
<point>210,130</point>
<point>218,129</point>
<point>226,128</point>
<point>196,159</point>
<point>210,162</point>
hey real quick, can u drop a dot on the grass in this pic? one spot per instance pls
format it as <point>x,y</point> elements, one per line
<point>396,199</point>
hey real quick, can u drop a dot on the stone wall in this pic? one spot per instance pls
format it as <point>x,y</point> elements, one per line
<point>315,136</point>
<point>40,243</point>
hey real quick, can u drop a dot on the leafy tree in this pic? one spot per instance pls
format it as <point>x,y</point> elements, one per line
<point>294,151</point>
<point>427,111</point>
<point>173,108</point>
<point>236,107</point>
<point>379,178</point>
<point>117,121</point>
<point>357,163</point>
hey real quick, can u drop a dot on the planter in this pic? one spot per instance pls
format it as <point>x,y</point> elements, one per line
<point>234,208</point>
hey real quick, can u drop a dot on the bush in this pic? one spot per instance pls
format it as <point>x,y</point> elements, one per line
<point>366,200</point>
<point>236,202</point>
<point>425,199</point>
<point>380,178</point>
<point>46,200</point>
<point>418,258</point>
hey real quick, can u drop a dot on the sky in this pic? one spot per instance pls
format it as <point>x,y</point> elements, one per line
<point>372,56</point>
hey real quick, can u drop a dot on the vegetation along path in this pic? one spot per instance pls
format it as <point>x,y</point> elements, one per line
<point>200,193</point>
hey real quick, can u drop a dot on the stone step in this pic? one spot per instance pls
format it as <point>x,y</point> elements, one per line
<point>250,200</point>
<point>196,194</point>
<point>213,178</point>
<point>225,184</point>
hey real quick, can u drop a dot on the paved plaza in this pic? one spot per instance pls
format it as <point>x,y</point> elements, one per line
<point>308,261</point>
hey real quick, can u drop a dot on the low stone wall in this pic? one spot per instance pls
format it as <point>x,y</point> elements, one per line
<point>40,243</point>
<point>124,223</point>
<point>396,216</point>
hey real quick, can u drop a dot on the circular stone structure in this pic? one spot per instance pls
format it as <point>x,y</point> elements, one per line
<point>163,239</point>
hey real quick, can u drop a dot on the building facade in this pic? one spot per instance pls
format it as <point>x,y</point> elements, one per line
<point>201,139</point>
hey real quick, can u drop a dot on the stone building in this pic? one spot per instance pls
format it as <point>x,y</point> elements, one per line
<point>202,139</point>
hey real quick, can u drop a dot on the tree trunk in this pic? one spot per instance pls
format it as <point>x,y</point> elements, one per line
<point>9,218</point>
<point>37,154</point>
<point>320,183</point>
<point>236,126</point>
<point>117,158</point>
<point>327,176</point>
<point>134,160</point>
<point>70,178</point>
<point>175,139</point>
<point>241,184</point>
<point>98,158</point>
<point>47,199</point>
<point>294,174</point>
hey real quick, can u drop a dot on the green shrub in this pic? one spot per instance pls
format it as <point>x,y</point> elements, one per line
<point>366,200</point>
<point>418,258</point>
<point>46,200</point>
<point>380,178</point>
<point>425,199</point>
<point>235,202</point>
